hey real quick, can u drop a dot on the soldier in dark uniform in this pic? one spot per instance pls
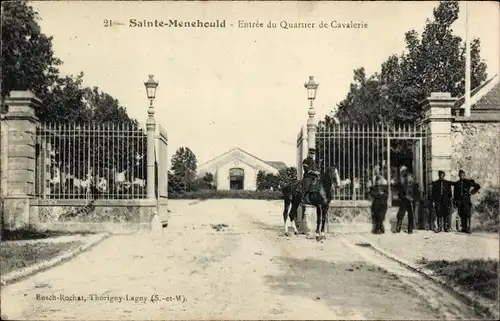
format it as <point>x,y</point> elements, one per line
<point>379,193</point>
<point>429,213</point>
<point>441,199</point>
<point>462,191</point>
<point>310,174</point>
<point>409,193</point>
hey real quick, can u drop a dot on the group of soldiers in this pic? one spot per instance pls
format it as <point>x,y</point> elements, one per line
<point>441,194</point>
<point>439,201</point>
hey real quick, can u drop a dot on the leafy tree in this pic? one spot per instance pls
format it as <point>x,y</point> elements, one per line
<point>433,62</point>
<point>269,180</point>
<point>208,178</point>
<point>175,183</point>
<point>203,183</point>
<point>28,61</point>
<point>92,134</point>
<point>261,177</point>
<point>287,175</point>
<point>64,102</point>
<point>105,108</point>
<point>105,132</point>
<point>184,166</point>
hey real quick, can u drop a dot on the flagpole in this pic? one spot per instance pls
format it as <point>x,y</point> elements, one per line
<point>467,62</point>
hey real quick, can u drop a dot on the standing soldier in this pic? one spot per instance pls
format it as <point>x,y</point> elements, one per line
<point>429,213</point>
<point>409,193</point>
<point>310,173</point>
<point>379,193</point>
<point>463,189</point>
<point>441,199</point>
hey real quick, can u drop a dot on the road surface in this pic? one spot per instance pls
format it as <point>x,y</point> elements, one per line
<point>248,270</point>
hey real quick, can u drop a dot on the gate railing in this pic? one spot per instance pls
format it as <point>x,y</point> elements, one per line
<point>361,152</point>
<point>91,161</point>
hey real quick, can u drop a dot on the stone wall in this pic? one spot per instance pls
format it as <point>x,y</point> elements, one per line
<point>97,216</point>
<point>476,150</point>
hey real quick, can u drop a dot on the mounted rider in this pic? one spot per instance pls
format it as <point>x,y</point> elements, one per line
<point>310,177</point>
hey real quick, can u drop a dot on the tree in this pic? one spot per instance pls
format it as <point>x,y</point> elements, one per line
<point>267,181</point>
<point>209,178</point>
<point>287,175</point>
<point>184,166</point>
<point>96,137</point>
<point>89,129</point>
<point>261,180</point>
<point>28,61</point>
<point>175,183</point>
<point>64,102</point>
<point>105,108</point>
<point>203,183</point>
<point>276,181</point>
<point>433,62</point>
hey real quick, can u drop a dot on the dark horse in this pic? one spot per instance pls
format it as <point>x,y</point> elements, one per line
<point>320,198</point>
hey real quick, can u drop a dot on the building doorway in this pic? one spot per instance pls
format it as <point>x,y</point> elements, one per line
<point>236,178</point>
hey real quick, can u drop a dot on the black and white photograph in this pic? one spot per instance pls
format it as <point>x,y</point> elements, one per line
<point>250,160</point>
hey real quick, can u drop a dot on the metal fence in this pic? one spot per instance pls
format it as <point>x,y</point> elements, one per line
<point>91,161</point>
<point>361,152</point>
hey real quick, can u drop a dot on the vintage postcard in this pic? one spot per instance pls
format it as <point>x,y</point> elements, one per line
<point>249,160</point>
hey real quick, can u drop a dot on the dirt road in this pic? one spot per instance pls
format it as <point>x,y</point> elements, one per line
<point>248,270</point>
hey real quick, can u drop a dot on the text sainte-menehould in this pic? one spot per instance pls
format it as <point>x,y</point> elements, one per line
<point>174,23</point>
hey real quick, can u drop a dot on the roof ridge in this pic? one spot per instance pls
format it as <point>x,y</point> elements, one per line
<point>239,149</point>
<point>478,93</point>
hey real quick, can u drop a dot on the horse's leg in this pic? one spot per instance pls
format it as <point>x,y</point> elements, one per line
<point>318,219</point>
<point>286,210</point>
<point>324,217</point>
<point>293,217</point>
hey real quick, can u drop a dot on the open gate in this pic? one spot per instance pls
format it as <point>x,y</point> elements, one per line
<point>362,151</point>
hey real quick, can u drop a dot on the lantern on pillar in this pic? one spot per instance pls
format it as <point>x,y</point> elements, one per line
<point>151,85</point>
<point>311,87</point>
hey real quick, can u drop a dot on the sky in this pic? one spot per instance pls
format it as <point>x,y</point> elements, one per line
<point>221,88</point>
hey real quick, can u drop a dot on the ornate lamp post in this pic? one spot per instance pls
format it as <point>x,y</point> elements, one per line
<point>151,85</point>
<point>311,87</point>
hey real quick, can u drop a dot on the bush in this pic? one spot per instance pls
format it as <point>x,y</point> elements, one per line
<point>214,194</point>
<point>488,210</point>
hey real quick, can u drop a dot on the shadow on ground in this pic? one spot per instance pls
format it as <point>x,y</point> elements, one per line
<point>277,229</point>
<point>25,234</point>
<point>348,288</point>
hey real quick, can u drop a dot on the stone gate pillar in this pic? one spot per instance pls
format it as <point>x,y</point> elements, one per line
<point>310,211</point>
<point>21,154</point>
<point>438,119</point>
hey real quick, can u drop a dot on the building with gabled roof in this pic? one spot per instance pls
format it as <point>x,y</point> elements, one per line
<point>237,169</point>
<point>485,99</point>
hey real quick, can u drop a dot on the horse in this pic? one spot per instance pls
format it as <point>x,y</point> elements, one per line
<point>292,196</point>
